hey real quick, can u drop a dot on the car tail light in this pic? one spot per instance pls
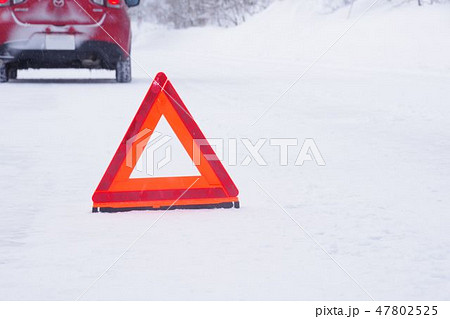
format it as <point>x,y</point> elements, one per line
<point>112,3</point>
<point>17,1</point>
<point>99,2</point>
<point>4,3</point>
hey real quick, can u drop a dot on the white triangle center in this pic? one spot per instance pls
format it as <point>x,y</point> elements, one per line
<point>164,156</point>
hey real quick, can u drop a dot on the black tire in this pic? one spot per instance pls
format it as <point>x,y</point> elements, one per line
<point>12,73</point>
<point>123,71</point>
<point>3,72</point>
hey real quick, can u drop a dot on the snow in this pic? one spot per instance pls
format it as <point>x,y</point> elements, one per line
<point>376,105</point>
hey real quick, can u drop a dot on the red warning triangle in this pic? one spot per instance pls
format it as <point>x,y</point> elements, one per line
<point>118,192</point>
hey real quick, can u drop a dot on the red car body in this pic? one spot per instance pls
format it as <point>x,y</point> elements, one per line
<point>65,34</point>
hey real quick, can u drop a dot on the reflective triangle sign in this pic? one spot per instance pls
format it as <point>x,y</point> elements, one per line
<point>117,191</point>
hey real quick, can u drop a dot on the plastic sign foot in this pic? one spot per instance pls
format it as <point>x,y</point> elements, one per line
<point>117,192</point>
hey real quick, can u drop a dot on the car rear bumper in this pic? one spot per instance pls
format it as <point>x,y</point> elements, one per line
<point>89,54</point>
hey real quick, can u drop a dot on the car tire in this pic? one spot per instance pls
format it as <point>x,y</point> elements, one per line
<point>123,71</point>
<point>3,73</point>
<point>12,73</point>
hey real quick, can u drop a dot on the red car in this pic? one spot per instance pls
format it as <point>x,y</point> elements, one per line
<point>90,34</point>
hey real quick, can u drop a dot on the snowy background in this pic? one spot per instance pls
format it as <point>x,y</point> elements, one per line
<point>376,104</point>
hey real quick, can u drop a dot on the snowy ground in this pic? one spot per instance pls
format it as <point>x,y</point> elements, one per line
<point>377,105</point>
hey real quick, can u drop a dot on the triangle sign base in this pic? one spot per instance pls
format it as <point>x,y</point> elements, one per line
<point>199,206</point>
<point>119,192</point>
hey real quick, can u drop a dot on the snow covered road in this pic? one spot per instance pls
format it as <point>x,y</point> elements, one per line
<point>377,106</point>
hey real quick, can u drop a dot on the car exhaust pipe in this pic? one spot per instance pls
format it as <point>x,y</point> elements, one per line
<point>89,63</point>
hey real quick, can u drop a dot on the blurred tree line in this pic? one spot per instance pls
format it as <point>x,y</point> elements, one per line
<point>189,13</point>
<point>224,13</point>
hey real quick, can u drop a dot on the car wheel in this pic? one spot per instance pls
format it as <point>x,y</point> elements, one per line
<point>3,73</point>
<point>12,73</point>
<point>123,71</point>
